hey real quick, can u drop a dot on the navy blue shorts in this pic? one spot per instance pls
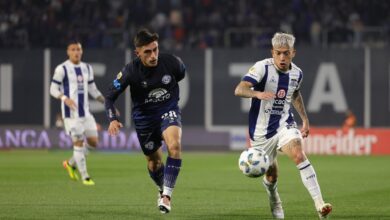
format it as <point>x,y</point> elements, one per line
<point>150,138</point>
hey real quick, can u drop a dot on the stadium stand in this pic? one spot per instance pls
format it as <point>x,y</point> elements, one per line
<point>193,24</point>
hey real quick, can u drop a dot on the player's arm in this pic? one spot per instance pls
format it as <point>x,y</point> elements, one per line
<point>244,89</point>
<point>181,71</point>
<point>117,86</point>
<point>92,88</point>
<point>55,88</point>
<point>299,106</point>
<point>94,92</point>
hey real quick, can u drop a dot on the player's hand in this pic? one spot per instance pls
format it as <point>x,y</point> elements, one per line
<point>70,103</point>
<point>305,130</point>
<point>265,95</point>
<point>114,127</point>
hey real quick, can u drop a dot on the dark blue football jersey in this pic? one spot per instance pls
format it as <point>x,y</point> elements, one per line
<point>154,90</point>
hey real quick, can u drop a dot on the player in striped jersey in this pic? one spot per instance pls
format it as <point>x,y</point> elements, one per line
<point>273,84</point>
<point>73,80</point>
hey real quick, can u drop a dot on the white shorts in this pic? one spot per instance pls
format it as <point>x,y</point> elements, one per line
<point>77,128</point>
<point>281,138</point>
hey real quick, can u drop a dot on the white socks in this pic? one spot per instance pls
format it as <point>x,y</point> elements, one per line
<point>79,157</point>
<point>272,191</point>
<point>309,179</point>
<point>167,191</point>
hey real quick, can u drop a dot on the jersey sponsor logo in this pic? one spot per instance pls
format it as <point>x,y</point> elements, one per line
<point>281,93</point>
<point>80,78</point>
<point>166,79</point>
<point>274,112</point>
<point>158,95</point>
<point>279,101</point>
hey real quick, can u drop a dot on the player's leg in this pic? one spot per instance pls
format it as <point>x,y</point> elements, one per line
<point>76,131</point>
<point>70,164</point>
<point>293,149</point>
<point>150,140</point>
<point>91,132</point>
<point>172,138</point>
<point>270,180</point>
<point>156,169</point>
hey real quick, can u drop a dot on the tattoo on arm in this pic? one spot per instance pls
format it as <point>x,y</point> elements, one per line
<point>297,102</point>
<point>244,89</point>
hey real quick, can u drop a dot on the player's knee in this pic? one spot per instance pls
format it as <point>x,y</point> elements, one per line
<point>93,142</point>
<point>271,174</point>
<point>299,157</point>
<point>174,149</point>
<point>173,145</point>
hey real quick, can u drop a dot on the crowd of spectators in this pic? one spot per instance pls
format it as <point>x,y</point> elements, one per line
<point>192,23</point>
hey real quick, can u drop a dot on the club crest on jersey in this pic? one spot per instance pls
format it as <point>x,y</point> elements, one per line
<point>119,75</point>
<point>166,79</point>
<point>144,84</point>
<point>281,93</point>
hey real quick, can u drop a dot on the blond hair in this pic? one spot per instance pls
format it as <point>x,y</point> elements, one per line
<point>283,40</point>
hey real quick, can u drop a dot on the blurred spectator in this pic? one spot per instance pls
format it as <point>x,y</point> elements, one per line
<point>349,122</point>
<point>192,24</point>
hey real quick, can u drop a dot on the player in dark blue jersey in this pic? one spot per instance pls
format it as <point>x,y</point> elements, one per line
<point>153,79</point>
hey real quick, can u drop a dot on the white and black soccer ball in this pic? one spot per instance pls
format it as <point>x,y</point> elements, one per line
<point>253,162</point>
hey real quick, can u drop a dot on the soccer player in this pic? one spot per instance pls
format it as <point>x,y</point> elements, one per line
<point>72,81</point>
<point>273,84</point>
<point>153,80</point>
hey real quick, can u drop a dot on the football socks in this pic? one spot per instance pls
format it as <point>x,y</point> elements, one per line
<point>79,157</point>
<point>171,172</point>
<point>309,179</point>
<point>158,176</point>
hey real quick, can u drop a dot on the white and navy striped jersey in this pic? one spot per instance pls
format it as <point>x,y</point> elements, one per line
<point>267,117</point>
<point>74,81</point>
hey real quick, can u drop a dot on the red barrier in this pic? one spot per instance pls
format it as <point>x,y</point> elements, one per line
<point>359,141</point>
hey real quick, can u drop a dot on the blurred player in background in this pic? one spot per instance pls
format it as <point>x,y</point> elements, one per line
<point>349,121</point>
<point>273,84</point>
<point>153,79</point>
<point>72,81</point>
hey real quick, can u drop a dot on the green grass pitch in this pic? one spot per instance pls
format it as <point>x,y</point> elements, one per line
<point>33,185</point>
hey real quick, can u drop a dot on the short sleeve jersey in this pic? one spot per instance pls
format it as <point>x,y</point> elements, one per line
<point>267,117</point>
<point>154,90</point>
<point>74,80</point>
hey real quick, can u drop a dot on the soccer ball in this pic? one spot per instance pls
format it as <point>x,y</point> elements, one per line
<point>253,162</point>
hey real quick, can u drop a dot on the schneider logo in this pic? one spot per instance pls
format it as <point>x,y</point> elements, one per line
<point>158,95</point>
